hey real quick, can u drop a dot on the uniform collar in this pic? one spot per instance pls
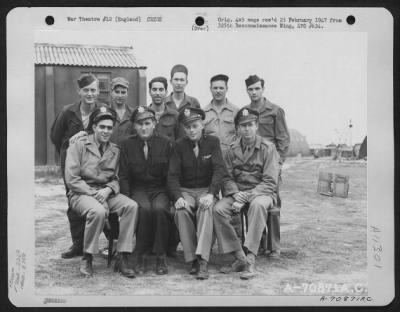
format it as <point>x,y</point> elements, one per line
<point>227,105</point>
<point>167,110</point>
<point>264,106</point>
<point>127,114</point>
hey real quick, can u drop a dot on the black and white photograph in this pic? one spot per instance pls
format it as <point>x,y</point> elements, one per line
<point>200,156</point>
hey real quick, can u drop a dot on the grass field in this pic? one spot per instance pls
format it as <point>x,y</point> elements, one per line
<point>324,240</point>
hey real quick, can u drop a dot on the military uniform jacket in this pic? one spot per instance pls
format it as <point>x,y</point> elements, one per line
<point>221,124</point>
<point>86,171</point>
<point>138,173</point>
<point>207,170</point>
<point>67,124</point>
<point>255,173</point>
<point>168,124</point>
<point>272,126</point>
<point>187,101</point>
<point>123,127</point>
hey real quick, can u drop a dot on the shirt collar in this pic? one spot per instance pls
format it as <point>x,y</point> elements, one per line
<point>227,105</point>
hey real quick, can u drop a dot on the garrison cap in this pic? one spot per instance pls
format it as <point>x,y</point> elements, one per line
<point>190,114</point>
<point>101,113</point>
<point>252,79</point>
<point>119,81</point>
<point>246,115</point>
<point>85,80</point>
<point>219,77</point>
<point>179,68</point>
<point>141,113</point>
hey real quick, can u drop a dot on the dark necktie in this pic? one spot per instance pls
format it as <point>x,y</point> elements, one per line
<point>145,150</point>
<point>101,150</point>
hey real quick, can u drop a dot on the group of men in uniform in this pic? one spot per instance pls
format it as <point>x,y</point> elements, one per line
<point>172,172</point>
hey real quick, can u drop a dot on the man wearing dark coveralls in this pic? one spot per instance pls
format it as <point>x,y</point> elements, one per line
<point>178,99</point>
<point>166,124</point>
<point>143,177</point>
<point>252,163</point>
<point>272,126</point>
<point>166,118</point>
<point>73,120</point>
<point>91,174</point>
<point>119,94</point>
<point>195,175</point>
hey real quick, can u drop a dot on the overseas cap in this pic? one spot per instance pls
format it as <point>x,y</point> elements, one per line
<point>100,113</point>
<point>179,68</point>
<point>252,79</point>
<point>119,81</point>
<point>141,113</point>
<point>85,80</point>
<point>246,115</point>
<point>191,114</point>
<point>219,77</point>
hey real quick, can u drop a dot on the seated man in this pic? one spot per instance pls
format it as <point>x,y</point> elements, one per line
<point>91,170</point>
<point>196,172</point>
<point>252,163</point>
<point>143,177</point>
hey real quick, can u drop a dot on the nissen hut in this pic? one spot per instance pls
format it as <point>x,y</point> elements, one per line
<point>57,67</point>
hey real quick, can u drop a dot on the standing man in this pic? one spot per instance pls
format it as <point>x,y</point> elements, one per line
<point>166,118</point>
<point>253,166</point>
<point>220,113</point>
<point>144,168</point>
<point>272,126</point>
<point>73,120</point>
<point>91,169</point>
<point>178,99</point>
<point>119,94</point>
<point>195,176</point>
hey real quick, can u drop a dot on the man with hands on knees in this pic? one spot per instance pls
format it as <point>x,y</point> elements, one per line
<point>143,177</point>
<point>91,174</point>
<point>253,165</point>
<point>196,172</point>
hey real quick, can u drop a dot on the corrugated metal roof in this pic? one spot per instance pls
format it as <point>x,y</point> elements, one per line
<point>84,55</point>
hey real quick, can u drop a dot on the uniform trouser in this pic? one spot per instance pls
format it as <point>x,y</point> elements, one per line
<point>96,213</point>
<point>195,225</point>
<point>154,223</point>
<point>274,225</point>
<point>76,222</point>
<point>257,215</point>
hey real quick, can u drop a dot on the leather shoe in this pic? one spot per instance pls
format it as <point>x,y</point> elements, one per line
<point>86,267</point>
<point>195,267</point>
<point>236,266</point>
<point>203,270</point>
<point>123,266</point>
<point>161,265</point>
<point>249,270</point>
<point>274,254</point>
<point>141,266</point>
<point>72,252</point>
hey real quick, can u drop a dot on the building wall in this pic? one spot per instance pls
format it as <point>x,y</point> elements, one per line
<point>40,116</point>
<point>64,87</point>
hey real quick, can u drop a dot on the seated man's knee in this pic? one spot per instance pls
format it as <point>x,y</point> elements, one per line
<point>261,202</point>
<point>221,208</point>
<point>97,213</point>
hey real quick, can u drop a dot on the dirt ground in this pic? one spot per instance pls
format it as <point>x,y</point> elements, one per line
<point>324,243</point>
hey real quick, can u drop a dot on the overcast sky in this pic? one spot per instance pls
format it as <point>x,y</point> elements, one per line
<point>319,79</point>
